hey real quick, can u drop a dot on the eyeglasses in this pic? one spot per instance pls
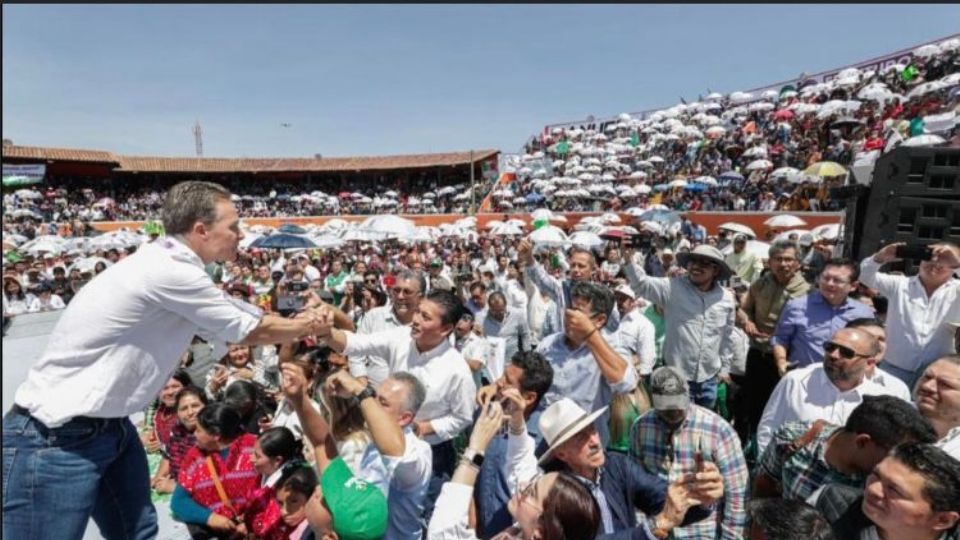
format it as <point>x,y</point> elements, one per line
<point>400,291</point>
<point>845,351</point>
<point>703,262</point>
<point>370,280</point>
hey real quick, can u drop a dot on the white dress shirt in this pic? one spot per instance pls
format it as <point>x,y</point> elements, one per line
<point>404,481</point>
<point>895,386</point>
<point>916,333</point>
<point>951,443</point>
<point>123,334</point>
<point>807,395</point>
<point>374,367</point>
<point>442,370</point>
<point>638,336</point>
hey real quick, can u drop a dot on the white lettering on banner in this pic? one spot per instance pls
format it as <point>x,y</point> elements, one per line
<point>31,174</point>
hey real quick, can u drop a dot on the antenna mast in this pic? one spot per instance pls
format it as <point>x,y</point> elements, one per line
<point>198,138</point>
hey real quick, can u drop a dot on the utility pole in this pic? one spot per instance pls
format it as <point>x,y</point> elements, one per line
<point>198,138</point>
<point>473,188</point>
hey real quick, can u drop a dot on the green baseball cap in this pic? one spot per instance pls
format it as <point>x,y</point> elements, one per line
<point>358,508</point>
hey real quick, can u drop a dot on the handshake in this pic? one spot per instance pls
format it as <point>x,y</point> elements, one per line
<point>318,320</point>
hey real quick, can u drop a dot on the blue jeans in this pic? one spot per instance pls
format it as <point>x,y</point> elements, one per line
<point>704,393</point>
<point>55,480</point>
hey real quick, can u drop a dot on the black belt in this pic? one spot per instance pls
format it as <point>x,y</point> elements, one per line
<point>17,409</point>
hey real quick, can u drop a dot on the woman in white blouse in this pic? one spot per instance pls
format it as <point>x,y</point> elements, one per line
<point>552,506</point>
<point>16,301</point>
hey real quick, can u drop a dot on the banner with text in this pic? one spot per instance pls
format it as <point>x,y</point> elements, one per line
<point>22,175</point>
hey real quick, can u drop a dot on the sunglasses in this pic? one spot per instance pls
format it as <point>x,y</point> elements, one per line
<point>845,351</point>
<point>703,262</point>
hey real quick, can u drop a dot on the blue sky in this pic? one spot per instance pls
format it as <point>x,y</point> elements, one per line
<point>366,80</point>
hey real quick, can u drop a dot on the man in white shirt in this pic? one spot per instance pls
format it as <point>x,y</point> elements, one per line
<point>423,349</point>
<point>637,333</point>
<point>107,360</point>
<point>875,328</point>
<point>937,396</point>
<point>396,461</point>
<point>404,300</point>
<point>918,307</point>
<point>827,391</point>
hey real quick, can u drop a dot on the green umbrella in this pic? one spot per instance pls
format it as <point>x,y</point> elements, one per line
<point>563,147</point>
<point>909,73</point>
<point>13,256</point>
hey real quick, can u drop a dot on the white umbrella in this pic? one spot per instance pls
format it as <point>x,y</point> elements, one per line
<point>756,151</point>
<point>737,228</point>
<point>557,218</point>
<point>541,213</point>
<point>449,190</point>
<point>507,229</point>
<point>784,221</point>
<point>28,194</point>
<point>327,241</point>
<point>678,183</point>
<point>785,235</point>
<point>759,164</point>
<point>651,226</point>
<point>388,225</point>
<point>586,239</point>
<point>785,172</point>
<point>548,236</point>
<point>87,264</point>
<point>926,51</point>
<point>714,96</point>
<point>610,217</point>
<point>760,249</point>
<point>924,140</point>
<point>706,180</point>
<point>492,223</point>
<point>740,97</point>
<point>925,88</point>
<point>655,159</point>
<point>715,131</point>
<point>829,231</point>
<point>642,189</point>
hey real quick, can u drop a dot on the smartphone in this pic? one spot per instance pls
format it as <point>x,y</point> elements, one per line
<point>915,252</point>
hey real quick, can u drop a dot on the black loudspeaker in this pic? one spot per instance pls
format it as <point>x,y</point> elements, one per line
<point>914,197</point>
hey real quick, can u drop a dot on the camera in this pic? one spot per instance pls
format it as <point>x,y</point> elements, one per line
<point>915,252</point>
<point>292,301</point>
<point>640,241</point>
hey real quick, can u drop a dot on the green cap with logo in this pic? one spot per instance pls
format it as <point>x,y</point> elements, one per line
<point>358,508</point>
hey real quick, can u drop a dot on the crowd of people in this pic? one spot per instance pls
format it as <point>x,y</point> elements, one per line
<point>68,199</point>
<point>487,386</point>
<point>743,151</point>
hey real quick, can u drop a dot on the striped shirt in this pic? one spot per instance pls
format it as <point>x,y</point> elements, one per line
<point>671,454</point>
<point>806,471</point>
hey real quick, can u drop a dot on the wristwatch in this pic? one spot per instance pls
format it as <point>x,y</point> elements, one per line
<point>659,531</point>
<point>367,392</point>
<point>472,456</point>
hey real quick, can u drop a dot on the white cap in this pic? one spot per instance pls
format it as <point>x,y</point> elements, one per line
<point>626,290</point>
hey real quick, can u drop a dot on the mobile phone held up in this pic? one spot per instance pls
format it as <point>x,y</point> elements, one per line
<point>914,252</point>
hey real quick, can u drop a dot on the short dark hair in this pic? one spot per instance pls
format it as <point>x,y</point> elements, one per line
<point>241,395</point>
<point>478,285</point>
<point>280,442</point>
<point>189,202</point>
<point>181,376</point>
<point>192,390</point>
<point>299,477</point>
<point>495,295</point>
<point>600,297</point>
<point>865,321</point>
<point>787,519</point>
<point>537,373</point>
<point>450,305</point>
<point>849,263</point>
<point>940,472</point>
<point>220,419</point>
<point>890,421</point>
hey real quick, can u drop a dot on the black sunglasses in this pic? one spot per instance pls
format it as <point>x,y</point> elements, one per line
<point>845,351</point>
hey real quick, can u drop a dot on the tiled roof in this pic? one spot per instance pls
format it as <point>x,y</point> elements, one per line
<point>235,165</point>
<point>58,154</point>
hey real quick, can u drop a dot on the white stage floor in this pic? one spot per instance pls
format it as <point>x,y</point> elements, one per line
<point>24,341</point>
